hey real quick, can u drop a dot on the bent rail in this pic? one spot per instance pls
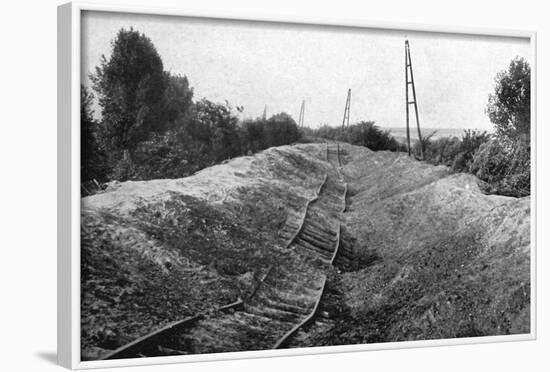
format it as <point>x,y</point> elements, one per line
<point>287,336</point>
<point>345,197</point>
<point>152,340</point>
<point>304,322</point>
<point>337,243</point>
<point>301,225</point>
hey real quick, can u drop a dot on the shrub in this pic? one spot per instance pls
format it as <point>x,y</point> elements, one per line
<point>367,134</point>
<point>253,136</point>
<point>259,134</point>
<point>364,133</point>
<point>170,155</point>
<point>454,152</point>
<point>505,166</point>
<point>442,150</point>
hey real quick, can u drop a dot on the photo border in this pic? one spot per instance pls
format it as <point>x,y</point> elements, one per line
<point>68,136</point>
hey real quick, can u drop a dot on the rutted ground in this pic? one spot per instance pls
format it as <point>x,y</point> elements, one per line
<point>158,251</point>
<point>435,257</point>
<point>427,254</point>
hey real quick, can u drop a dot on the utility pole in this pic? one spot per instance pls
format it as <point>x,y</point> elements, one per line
<point>301,117</point>
<point>345,122</point>
<point>409,80</point>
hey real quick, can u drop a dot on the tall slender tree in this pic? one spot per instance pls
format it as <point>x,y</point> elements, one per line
<point>92,157</point>
<point>130,86</point>
<point>509,107</point>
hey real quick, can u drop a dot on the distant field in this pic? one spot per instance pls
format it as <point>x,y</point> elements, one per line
<point>400,134</point>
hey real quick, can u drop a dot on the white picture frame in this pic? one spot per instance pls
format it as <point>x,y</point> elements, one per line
<point>69,72</point>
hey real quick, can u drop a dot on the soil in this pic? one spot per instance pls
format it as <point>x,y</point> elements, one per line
<point>440,258</point>
<point>158,251</point>
<point>425,254</point>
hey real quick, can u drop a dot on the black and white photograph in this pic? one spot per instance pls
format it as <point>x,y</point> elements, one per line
<point>249,185</point>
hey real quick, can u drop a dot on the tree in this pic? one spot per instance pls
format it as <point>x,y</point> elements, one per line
<point>214,125</point>
<point>178,99</point>
<point>366,133</point>
<point>509,107</point>
<point>253,136</point>
<point>92,157</point>
<point>131,89</point>
<point>281,129</point>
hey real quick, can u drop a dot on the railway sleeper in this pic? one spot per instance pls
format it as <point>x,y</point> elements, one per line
<point>312,253</point>
<point>304,240</point>
<point>273,313</point>
<point>283,306</point>
<point>290,228</point>
<point>296,286</point>
<point>323,253</point>
<point>323,213</point>
<point>315,255</point>
<point>317,238</point>
<point>318,226</point>
<point>295,299</point>
<point>324,233</point>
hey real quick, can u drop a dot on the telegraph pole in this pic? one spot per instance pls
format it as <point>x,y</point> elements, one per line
<point>409,80</point>
<point>345,121</point>
<point>302,112</point>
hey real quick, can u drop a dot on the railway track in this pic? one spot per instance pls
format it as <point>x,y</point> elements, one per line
<point>286,296</point>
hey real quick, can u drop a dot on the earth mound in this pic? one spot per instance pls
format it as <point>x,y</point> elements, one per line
<point>428,255</point>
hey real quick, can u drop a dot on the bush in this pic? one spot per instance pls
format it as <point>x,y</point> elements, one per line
<point>505,166</point>
<point>364,133</point>
<point>280,130</point>
<point>170,155</point>
<point>369,135</point>
<point>442,150</point>
<point>452,151</point>
<point>253,136</point>
<point>259,134</point>
<point>332,133</point>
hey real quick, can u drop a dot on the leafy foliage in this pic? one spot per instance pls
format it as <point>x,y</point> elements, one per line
<point>454,152</point>
<point>509,107</point>
<point>281,129</point>
<point>505,166</point>
<point>93,159</point>
<point>364,133</point>
<point>214,125</point>
<point>130,86</point>
<point>178,101</point>
<point>502,161</point>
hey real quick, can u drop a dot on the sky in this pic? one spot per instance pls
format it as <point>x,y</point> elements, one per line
<point>255,64</point>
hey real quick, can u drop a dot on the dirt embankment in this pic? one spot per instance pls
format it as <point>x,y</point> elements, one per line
<point>157,251</point>
<point>428,254</point>
<point>437,258</point>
